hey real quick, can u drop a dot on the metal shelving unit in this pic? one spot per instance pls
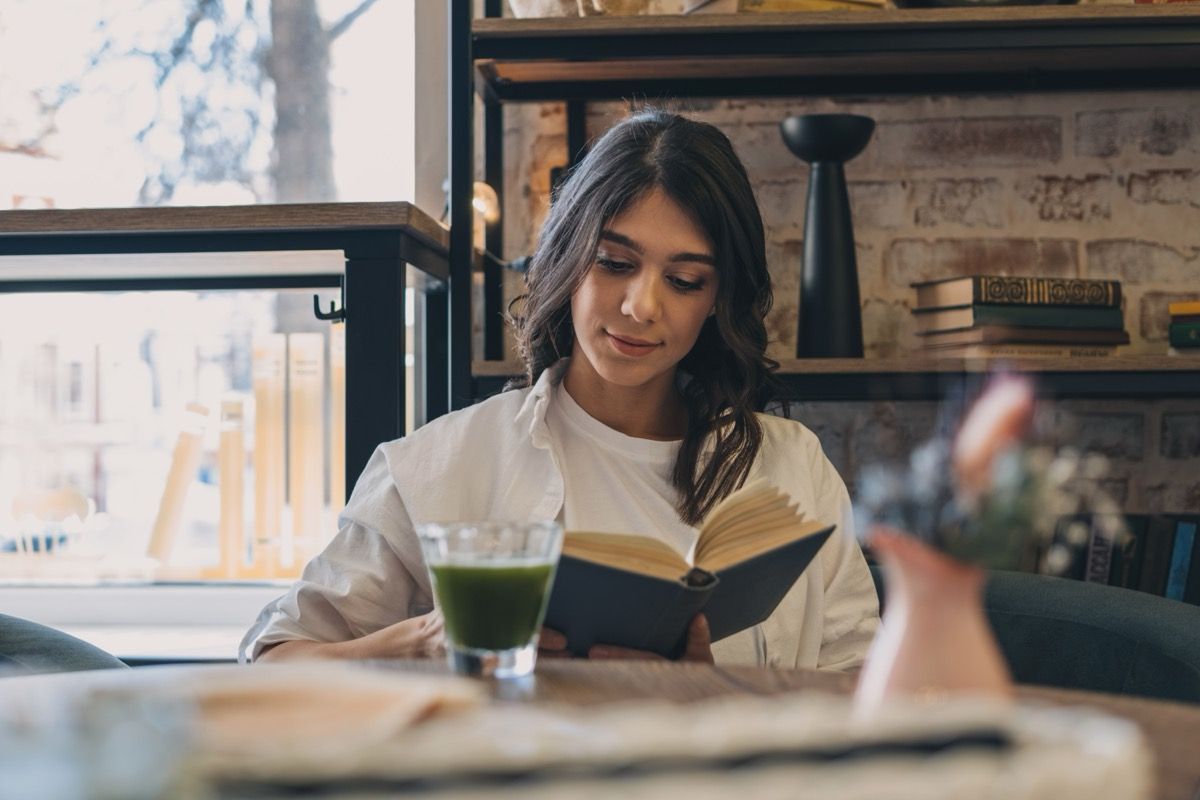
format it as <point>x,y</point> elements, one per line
<point>834,53</point>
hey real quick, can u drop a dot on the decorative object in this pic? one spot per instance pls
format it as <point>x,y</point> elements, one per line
<point>830,314</point>
<point>988,499</point>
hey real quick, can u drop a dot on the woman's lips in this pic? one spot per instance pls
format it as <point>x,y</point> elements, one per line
<point>631,347</point>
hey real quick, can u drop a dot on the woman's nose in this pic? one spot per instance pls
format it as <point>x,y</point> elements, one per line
<point>642,301</point>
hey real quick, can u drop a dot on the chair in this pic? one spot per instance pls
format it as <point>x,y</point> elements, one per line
<point>28,647</point>
<point>1077,635</point>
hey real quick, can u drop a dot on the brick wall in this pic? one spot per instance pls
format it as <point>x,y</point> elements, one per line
<point>1087,184</point>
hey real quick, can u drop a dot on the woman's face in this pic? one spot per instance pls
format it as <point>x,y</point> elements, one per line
<point>646,296</point>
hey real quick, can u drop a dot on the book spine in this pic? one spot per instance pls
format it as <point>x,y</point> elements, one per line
<point>269,379</point>
<point>1184,334</point>
<point>1156,555</point>
<point>1181,560</point>
<point>1049,317</point>
<point>185,459</point>
<point>1191,593</point>
<point>306,447</point>
<point>337,421</point>
<point>1046,291</point>
<point>1099,557</point>
<point>1127,553</point>
<point>231,468</point>
<point>1184,307</point>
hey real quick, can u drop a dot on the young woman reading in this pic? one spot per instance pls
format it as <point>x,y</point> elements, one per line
<point>644,346</point>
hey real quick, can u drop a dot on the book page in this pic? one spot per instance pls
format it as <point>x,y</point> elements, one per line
<point>639,554</point>
<point>752,520</point>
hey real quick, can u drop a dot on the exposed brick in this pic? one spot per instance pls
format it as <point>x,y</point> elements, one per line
<point>782,203</point>
<point>829,423</point>
<point>1067,198</point>
<point>1180,436</point>
<point>886,327</point>
<point>1168,187</point>
<point>1116,488</point>
<point>883,432</point>
<point>783,259</point>
<point>975,202</point>
<point>1114,434</point>
<point>761,148</point>
<point>1153,316</point>
<point>909,260</point>
<point>879,204</point>
<point>1140,261</point>
<point>1149,131</point>
<point>1173,497</point>
<point>975,142</point>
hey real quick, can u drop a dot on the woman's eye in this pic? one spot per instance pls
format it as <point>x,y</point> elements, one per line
<point>613,266</point>
<point>684,285</point>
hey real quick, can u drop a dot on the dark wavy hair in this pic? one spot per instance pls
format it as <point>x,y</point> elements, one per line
<point>731,375</point>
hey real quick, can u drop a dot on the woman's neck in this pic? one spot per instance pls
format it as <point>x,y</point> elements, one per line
<point>653,410</point>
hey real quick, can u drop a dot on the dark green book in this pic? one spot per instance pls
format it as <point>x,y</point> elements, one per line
<point>636,592</point>
<point>1156,560</point>
<point>1127,554</point>
<point>1074,317</point>
<point>1184,334</point>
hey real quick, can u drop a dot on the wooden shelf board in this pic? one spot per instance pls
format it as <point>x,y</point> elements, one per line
<point>526,59</point>
<point>925,364</point>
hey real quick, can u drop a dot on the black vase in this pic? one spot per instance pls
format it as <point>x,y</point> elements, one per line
<point>830,315</point>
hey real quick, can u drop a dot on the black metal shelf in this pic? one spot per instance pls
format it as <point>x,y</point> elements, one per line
<point>922,378</point>
<point>906,51</point>
<point>385,247</point>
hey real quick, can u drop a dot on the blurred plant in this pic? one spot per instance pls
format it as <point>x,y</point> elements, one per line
<point>991,495</point>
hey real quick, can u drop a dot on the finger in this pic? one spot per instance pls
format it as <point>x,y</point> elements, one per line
<point>610,651</point>
<point>554,653</point>
<point>550,639</point>
<point>699,641</point>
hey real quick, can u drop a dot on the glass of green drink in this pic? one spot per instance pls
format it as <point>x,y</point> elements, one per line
<point>491,581</point>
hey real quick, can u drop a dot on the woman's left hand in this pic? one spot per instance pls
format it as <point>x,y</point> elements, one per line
<point>699,646</point>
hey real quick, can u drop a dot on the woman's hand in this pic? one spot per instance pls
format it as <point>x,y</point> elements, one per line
<point>416,637</point>
<point>552,644</point>
<point>699,646</point>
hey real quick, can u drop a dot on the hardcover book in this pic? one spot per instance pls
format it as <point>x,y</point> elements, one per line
<point>637,592</point>
<point>1183,335</point>
<point>1003,290</point>
<point>1010,335</point>
<point>1018,351</point>
<point>1156,558</point>
<point>1183,308</point>
<point>947,319</point>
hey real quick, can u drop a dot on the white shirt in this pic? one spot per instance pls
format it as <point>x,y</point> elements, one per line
<point>496,460</point>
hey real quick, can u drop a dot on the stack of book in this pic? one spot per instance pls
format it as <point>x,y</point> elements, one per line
<point>1159,555</point>
<point>1184,330</point>
<point>993,315</point>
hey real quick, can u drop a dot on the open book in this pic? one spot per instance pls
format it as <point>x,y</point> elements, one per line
<point>634,591</point>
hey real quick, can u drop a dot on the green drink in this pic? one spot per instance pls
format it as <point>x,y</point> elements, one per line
<point>492,607</point>
<point>491,582</point>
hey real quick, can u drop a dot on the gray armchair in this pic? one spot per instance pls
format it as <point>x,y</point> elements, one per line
<point>27,647</point>
<point>1067,633</point>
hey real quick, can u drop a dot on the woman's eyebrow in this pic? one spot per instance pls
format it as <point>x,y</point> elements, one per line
<point>625,241</point>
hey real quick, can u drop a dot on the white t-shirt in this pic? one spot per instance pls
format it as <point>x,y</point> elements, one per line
<point>613,482</point>
<point>500,459</point>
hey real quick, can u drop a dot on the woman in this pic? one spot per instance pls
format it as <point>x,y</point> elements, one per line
<point>644,345</point>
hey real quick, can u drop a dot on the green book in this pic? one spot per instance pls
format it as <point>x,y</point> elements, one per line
<point>1184,334</point>
<point>637,592</point>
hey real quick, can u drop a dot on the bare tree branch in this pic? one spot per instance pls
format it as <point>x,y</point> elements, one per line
<point>339,27</point>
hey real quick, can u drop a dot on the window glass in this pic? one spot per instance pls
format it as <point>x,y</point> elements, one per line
<point>201,102</point>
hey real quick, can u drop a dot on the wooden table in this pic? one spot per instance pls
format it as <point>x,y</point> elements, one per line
<point>1172,729</point>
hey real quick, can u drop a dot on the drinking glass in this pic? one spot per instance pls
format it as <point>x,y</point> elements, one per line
<point>491,581</point>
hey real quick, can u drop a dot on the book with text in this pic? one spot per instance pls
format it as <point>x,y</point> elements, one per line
<point>637,592</point>
<point>1009,289</point>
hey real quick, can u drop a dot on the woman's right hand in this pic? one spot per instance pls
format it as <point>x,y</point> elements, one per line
<point>416,637</point>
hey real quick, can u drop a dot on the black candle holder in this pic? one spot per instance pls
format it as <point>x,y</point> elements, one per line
<point>830,315</point>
